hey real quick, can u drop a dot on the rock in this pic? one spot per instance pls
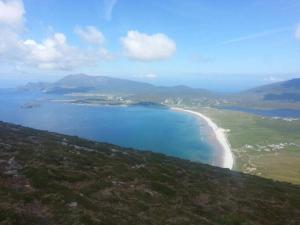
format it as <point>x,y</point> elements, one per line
<point>11,172</point>
<point>73,204</point>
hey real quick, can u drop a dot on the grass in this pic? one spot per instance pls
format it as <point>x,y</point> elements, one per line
<point>261,132</point>
<point>109,186</point>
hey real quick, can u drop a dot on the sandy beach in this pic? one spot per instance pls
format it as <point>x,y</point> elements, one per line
<point>220,135</point>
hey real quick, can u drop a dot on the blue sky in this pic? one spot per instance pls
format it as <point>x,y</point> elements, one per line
<point>202,43</point>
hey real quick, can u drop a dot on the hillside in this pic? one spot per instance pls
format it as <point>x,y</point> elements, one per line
<point>48,178</point>
<point>288,91</point>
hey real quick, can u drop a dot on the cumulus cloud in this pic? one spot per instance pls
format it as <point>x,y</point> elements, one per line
<point>297,33</point>
<point>141,46</point>
<point>11,20</point>
<point>52,53</point>
<point>55,53</point>
<point>10,47</point>
<point>90,34</point>
<point>11,12</point>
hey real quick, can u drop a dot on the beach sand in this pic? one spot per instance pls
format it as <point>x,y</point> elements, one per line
<point>227,159</point>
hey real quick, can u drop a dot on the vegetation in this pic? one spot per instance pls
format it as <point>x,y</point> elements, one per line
<point>262,146</point>
<point>48,178</point>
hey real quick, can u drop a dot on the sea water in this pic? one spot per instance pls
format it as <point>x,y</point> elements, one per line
<point>145,128</point>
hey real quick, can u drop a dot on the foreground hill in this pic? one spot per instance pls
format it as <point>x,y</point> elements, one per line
<point>48,178</point>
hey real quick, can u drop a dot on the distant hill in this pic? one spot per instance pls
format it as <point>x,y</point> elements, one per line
<point>288,91</point>
<point>85,83</point>
<point>49,178</point>
<point>277,95</point>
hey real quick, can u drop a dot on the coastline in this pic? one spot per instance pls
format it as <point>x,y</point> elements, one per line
<point>220,136</point>
<point>223,156</point>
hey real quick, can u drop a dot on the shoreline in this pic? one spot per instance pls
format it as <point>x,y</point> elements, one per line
<point>220,136</point>
<point>223,155</point>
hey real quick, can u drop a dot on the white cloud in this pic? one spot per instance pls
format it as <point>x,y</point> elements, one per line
<point>150,76</point>
<point>55,53</point>
<point>141,46</point>
<point>11,23</point>
<point>297,33</point>
<point>108,8</point>
<point>145,76</point>
<point>9,44</point>
<point>11,12</point>
<point>52,53</point>
<point>90,34</point>
<point>273,79</point>
<point>104,54</point>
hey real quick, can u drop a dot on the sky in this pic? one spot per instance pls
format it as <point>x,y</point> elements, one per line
<point>219,45</point>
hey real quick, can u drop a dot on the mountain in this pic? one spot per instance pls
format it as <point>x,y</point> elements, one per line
<point>49,178</point>
<point>277,95</point>
<point>85,83</point>
<point>31,86</point>
<point>286,91</point>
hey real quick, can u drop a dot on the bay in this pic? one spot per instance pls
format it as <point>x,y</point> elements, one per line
<point>145,128</point>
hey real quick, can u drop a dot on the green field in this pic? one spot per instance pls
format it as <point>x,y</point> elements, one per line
<point>262,146</point>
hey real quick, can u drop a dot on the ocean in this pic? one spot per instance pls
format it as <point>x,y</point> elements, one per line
<point>145,128</point>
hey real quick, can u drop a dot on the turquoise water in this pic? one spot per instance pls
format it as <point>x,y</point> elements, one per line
<point>156,129</point>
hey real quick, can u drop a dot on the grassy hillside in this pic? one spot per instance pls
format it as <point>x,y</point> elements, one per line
<point>48,178</point>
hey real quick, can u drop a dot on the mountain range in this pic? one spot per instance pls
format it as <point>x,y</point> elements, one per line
<point>86,83</point>
<point>281,92</point>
